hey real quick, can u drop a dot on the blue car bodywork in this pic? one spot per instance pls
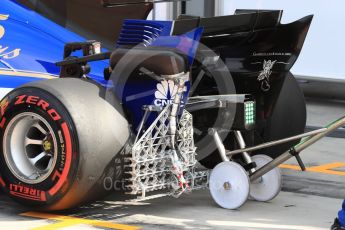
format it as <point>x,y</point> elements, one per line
<point>30,45</point>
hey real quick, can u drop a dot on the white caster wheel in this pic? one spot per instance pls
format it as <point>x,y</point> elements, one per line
<point>229,185</point>
<point>268,186</point>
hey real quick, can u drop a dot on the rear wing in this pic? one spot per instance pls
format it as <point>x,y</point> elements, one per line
<point>241,21</point>
<point>245,40</point>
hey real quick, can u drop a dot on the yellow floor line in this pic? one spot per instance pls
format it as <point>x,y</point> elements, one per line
<point>328,166</point>
<point>325,169</point>
<point>292,167</point>
<point>58,225</point>
<point>67,221</point>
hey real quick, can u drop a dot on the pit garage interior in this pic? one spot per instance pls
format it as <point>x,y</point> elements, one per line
<point>310,199</point>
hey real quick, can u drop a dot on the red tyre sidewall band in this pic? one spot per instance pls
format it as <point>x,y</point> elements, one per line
<point>63,174</point>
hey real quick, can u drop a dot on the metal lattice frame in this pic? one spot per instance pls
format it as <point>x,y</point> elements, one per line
<point>151,163</point>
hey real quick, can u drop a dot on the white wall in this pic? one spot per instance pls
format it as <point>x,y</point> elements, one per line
<point>162,11</point>
<point>195,7</point>
<point>323,54</point>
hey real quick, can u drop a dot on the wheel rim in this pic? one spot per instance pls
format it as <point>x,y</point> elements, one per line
<point>229,185</point>
<point>268,186</point>
<point>30,148</point>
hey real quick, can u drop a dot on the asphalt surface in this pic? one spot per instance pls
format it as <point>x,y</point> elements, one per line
<point>309,200</point>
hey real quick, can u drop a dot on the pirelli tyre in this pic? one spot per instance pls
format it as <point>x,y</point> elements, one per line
<point>58,140</point>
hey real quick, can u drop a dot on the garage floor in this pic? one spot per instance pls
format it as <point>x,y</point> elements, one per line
<point>309,201</point>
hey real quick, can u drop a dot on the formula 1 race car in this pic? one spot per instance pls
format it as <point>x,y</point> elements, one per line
<point>171,94</point>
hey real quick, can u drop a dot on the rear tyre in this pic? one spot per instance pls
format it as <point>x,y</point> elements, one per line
<point>58,139</point>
